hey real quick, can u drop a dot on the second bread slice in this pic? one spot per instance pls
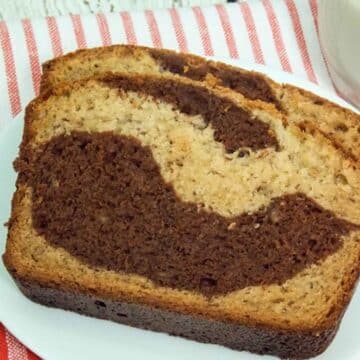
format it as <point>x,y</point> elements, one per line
<point>339,125</point>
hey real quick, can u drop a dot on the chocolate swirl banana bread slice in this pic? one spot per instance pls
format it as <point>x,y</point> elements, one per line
<point>161,203</point>
<point>341,126</point>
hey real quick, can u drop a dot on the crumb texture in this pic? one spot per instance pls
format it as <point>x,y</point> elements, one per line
<point>250,84</point>
<point>103,199</point>
<point>185,146</point>
<point>340,125</point>
<point>233,126</point>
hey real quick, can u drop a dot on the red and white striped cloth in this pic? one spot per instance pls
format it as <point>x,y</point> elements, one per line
<point>279,33</point>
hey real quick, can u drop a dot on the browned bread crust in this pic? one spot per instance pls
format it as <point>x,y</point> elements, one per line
<point>286,344</point>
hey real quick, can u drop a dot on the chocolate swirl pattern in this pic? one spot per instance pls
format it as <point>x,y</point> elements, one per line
<point>101,197</point>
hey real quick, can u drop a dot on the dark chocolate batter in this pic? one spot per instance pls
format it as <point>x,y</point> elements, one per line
<point>102,198</point>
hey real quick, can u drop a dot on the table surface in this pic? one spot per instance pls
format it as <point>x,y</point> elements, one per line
<point>17,9</point>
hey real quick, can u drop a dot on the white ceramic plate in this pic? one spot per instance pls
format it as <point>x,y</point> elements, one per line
<point>57,334</point>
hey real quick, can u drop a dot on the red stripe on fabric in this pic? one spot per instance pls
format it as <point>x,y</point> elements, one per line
<point>31,355</point>
<point>33,54</point>
<point>276,33</point>
<point>54,35</point>
<point>11,76</point>
<point>16,350</point>
<point>104,29</point>
<point>79,31</point>
<point>179,30</point>
<point>228,32</point>
<point>314,12</point>
<point>153,28</point>
<point>3,344</point>
<point>252,32</point>
<point>129,27</point>
<point>203,30</point>
<point>300,39</point>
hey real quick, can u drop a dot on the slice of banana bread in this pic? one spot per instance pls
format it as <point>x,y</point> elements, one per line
<point>341,126</point>
<point>168,205</point>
